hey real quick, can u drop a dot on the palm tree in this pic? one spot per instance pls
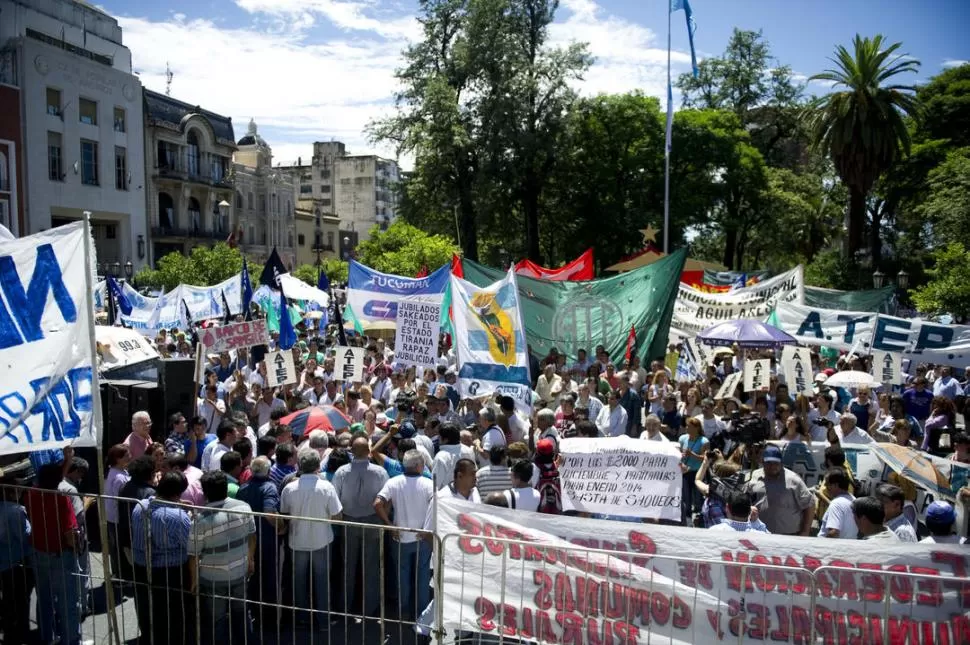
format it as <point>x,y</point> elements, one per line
<point>863,127</point>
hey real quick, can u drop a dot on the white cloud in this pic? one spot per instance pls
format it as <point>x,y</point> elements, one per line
<point>947,64</point>
<point>302,88</point>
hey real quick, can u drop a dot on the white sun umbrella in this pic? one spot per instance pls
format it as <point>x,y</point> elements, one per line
<point>850,379</point>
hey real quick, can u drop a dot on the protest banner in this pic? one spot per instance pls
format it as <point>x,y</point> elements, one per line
<point>667,584</point>
<point>621,476</point>
<point>696,310</point>
<point>796,365</point>
<point>350,363</point>
<point>829,327</point>
<point>571,315</point>
<point>226,338</point>
<point>757,375</point>
<point>729,385</point>
<point>490,341</point>
<point>887,367</point>
<point>416,335</point>
<point>280,369</point>
<point>150,314</point>
<point>374,296</point>
<point>46,400</point>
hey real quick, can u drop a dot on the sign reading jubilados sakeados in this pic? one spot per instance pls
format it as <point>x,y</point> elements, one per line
<point>374,296</point>
<point>674,585</point>
<point>46,397</point>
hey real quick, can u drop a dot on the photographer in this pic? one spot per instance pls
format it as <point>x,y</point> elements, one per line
<point>726,477</point>
<point>820,414</point>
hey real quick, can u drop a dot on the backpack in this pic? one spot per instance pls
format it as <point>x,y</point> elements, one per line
<point>550,492</point>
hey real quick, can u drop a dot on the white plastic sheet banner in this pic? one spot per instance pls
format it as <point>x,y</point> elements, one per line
<point>46,396</point>
<point>669,584</point>
<point>796,365</point>
<point>149,314</point>
<point>828,327</point>
<point>757,375</point>
<point>296,289</point>
<point>621,476</point>
<point>696,310</point>
<point>887,367</point>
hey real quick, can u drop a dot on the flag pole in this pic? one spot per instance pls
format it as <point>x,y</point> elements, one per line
<point>667,145</point>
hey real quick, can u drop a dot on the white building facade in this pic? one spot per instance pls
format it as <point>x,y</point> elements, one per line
<point>82,124</point>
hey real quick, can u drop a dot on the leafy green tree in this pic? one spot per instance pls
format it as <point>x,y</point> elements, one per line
<point>948,288</point>
<point>947,203</point>
<point>863,127</point>
<point>204,267</point>
<point>945,103</point>
<point>404,250</point>
<point>336,270</point>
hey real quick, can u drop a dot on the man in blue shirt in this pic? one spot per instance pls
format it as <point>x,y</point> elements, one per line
<point>202,438</point>
<point>16,578</point>
<point>159,548</point>
<point>917,400</point>
<point>263,496</point>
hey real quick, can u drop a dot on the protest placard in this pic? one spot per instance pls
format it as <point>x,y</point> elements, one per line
<point>621,476</point>
<point>216,340</point>
<point>757,375</point>
<point>350,363</point>
<point>730,384</point>
<point>887,367</point>
<point>796,365</point>
<point>279,368</point>
<point>416,336</point>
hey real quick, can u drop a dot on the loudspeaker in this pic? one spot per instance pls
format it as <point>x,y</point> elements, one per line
<point>116,411</point>
<point>176,379</point>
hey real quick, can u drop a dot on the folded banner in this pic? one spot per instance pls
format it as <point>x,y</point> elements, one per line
<point>581,315</point>
<point>296,289</point>
<point>697,310</point>
<point>45,322</point>
<point>490,342</point>
<point>582,268</point>
<point>621,476</point>
<point>674,585</point>
<point>149,314</point>
<point>373,296</point>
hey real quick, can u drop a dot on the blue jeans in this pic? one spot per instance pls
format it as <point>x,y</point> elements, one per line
<point>58,596</point>
<point>225,618</point>
<point>312,576</point>
<point>414,568</point>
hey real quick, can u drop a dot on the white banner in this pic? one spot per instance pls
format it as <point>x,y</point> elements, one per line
<point>279,368</point>
<point>120,347</point>
<point>673,585</point>
<point>887,367</point>
<point>757,375</point>
<point>416,336</point>
<point>490,341</point>
<point>696,310</point>
<point>296,289</point>
<point>46,400</point>
<point>203,303</point>
<point>621,476</point>
<point>226,338</point>
<point>729,385</point>
<point>829,327</point>
<point>796,364</point>
<point>350,364</point>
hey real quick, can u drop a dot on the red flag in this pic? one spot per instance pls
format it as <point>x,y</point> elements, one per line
<point>457,269</point>
<point>631,340</point>
<point>423,273</point>
<point>579,269</point>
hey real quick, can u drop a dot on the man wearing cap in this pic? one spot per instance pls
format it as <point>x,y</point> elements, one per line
<point>940,518</point>
<point>785,504</point>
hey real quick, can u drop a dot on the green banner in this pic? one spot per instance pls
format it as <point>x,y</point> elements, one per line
<point>879,300</point>
<point>581,315</point>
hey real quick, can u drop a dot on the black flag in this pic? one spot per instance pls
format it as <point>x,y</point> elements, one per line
<point>225,305</point>
<point>272,270</point>
<point>339,319</point>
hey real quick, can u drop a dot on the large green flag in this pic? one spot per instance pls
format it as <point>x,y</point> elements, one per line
<point>581,315</point>
<point>880,300</point>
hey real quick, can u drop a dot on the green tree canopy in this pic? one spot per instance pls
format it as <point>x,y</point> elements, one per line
<point>948,288</point>
<point>336,270</point>
<point>404,250</point>
<point>204,267</point>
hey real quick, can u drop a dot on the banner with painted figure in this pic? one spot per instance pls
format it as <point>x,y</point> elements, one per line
<point>490,342</point>
<point>668,584</point>
<point>46,399</point>
<point>581,315</point>
<point>829,327</point>
<point>373,296</point>
<point>696,310</point>
<point>582,268</point>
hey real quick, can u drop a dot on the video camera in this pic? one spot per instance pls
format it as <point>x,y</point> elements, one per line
<point>746,430</point>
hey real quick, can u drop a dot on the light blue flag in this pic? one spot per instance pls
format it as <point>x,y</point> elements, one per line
<point>677,5</point>
<point>670,118</point>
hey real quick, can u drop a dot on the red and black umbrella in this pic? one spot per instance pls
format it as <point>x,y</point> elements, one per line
<point>317,417</point>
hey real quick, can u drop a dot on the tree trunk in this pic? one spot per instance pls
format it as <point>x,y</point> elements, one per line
<point>857,220</point>
<point>730,240</point>
<point>468,226</point>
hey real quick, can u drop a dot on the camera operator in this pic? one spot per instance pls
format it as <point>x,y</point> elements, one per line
<point>822,415</point>
<point>726,476</point>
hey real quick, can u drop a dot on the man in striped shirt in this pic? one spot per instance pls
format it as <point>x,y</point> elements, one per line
<point>496,476</point>
<point>222,549</point>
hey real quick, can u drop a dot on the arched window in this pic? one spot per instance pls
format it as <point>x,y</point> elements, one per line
<point>166,211</point>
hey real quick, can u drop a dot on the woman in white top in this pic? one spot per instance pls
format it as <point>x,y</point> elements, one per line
<point>657,391</point>
<point>796,431</point>
<point>691,406</point>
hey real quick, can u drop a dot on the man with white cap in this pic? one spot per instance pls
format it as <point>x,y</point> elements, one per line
<point>940,519</point>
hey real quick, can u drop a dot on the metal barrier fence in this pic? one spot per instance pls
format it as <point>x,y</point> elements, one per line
<point>176,573</point>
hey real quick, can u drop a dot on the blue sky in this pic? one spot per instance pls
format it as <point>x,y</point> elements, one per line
<point>313,70</point>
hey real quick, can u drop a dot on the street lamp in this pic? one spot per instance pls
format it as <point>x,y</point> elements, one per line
<point>224,213</point>
<point>878,279</point>
<point>902,280</point>
<point>129,269</point>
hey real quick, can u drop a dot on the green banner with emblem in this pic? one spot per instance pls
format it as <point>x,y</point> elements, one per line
<point>581,315</point>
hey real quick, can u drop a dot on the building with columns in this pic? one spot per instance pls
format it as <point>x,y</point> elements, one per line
<point>187,176</point>
<point>264,203</point>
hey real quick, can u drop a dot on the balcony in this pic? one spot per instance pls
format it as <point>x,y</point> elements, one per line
<point>189,233</point>
<point>179,170</point>
<point>322,248</point>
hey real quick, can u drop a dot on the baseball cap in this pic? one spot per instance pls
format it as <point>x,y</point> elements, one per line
<point>772,454</point>
<point>941,513</point>
<point>545,447</point>
<point>407,430</point>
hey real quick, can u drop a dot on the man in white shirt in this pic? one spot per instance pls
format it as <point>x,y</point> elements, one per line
<point>869,516</point>
<point>381,385</point>
<point>462,486</point>
<point>545,429</point>
<point>317,393</point>
<point>410,497</point>
<point>225,437</point>
<point>893,499</point>
<point>266,405</point>
<point>211,408</point>
<point>522,496</point>
<point>838,521</point>
<point>612,418</point>
<point>741,517</point>
<point>710,422</point>
<point>518,427</point>
<point>591,403</point>
<point>449,452</point>
<point>311,496</point>
<point>652,429</point>
<point>947,386</point>
<point>492,435</point>
<point>850,432</point>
